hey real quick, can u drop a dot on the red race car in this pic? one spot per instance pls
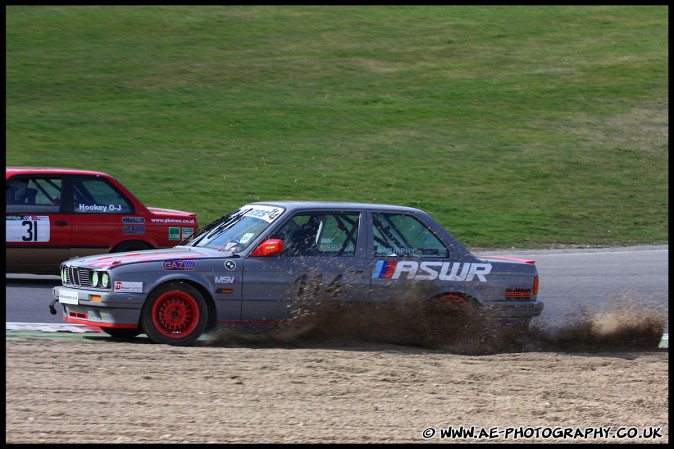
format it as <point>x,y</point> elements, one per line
<point>54,214</point>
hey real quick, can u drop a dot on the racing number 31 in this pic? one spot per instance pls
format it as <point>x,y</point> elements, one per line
<point>31,231</point>
<point>27,228</point>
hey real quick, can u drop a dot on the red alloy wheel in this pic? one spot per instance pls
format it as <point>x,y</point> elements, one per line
<point>448,318</point>
<point>175,314</point>
<point>455,301</point>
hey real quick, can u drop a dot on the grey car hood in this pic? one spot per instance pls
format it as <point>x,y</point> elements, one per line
<point>106,261</point>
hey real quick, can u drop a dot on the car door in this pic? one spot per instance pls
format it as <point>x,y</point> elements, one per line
<point>405,258</point>
<point>323,261</point>
<point>97,219</point>
<point>38,231</point>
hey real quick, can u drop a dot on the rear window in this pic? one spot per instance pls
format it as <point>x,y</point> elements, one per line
<point>34,194</point>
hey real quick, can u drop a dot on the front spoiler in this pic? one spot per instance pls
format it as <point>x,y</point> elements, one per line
<point>114,310</point>
<point>101,316</point>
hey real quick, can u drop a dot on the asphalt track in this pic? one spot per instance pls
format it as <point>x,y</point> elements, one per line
<point>573,282</point>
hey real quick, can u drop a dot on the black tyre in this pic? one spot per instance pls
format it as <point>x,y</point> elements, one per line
<point>123,334</point>
<point>131,245</point>
<point>174,314</point>
<point>449,318</point>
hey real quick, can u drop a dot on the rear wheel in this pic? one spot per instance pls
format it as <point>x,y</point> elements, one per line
<point>449,318</point>
<point>174,314</point>
<point>124,334</point>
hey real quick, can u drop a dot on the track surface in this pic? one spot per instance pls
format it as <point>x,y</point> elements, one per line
<point>93,390</point>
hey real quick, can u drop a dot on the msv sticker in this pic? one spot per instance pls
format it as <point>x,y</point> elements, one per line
<point>180,265</point>
<point>427,271</point>
<point>227,280</point>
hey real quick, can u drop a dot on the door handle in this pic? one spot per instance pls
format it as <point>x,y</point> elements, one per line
<point>61,223</point>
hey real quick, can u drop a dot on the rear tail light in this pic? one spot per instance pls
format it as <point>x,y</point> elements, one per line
<point>535,285</point>
<point>518,294</point>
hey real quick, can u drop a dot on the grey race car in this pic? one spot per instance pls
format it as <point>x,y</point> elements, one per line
<point>253,265</point>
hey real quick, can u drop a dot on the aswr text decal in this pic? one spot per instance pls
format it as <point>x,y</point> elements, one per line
<point>427,271</point>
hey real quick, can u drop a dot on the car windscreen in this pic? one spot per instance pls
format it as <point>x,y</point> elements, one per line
<point>236,231</point>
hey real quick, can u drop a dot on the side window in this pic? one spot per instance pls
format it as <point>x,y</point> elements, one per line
<point>338,235</point>
<point>97,196</point>
<point>320,234</point>
<point>34,194</point>
<point>404,235</point>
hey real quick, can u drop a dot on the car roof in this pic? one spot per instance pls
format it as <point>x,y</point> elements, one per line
<point>51,170</point>
<point>292,205</point>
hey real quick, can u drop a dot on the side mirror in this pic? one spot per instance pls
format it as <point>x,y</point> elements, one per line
<point>268,248</point>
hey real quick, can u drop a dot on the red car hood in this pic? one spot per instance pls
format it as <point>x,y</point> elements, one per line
<point>106,261</point>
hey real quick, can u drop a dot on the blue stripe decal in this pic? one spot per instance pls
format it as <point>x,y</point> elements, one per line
<point>378,268</point>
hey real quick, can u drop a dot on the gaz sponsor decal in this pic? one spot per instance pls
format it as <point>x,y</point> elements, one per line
<point>128,287</point>
<point>133,230</point>
<point>27,228</point>
<point>179,265</point>
<point>428,271</point>
<point>108,261</point>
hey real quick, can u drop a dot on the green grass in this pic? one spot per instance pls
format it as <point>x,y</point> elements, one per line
<point>525,126</point>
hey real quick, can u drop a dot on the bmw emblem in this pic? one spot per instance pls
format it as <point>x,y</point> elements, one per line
<point>230,264</point>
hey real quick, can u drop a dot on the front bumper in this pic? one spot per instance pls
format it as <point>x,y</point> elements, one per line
<point>97,308</point>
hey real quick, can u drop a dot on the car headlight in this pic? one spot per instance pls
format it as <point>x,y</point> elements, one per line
<point>64,277</point>
<point>94,279</point>
<point>105,280</point>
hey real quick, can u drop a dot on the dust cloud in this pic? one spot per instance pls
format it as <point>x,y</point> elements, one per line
<point>626,325</point>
